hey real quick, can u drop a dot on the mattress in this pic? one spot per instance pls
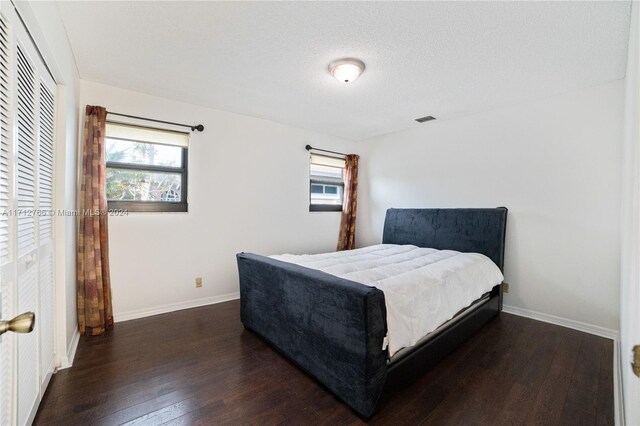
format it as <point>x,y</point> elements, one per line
<point>423,287</point>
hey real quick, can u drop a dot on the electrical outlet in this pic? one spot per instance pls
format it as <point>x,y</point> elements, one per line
<point>505,287</point>
<point>198,282</point>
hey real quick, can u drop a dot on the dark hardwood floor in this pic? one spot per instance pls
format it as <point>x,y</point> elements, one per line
<point>200,366</point>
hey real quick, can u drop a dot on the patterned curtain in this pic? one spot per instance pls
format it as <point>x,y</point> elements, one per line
<point>347,238</point>
<point>95,313</point>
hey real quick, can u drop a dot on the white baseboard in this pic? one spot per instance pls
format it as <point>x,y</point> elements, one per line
<point>67,360</point>
<point>141,313</point>
<point>618,399</point>
<point>564,322</point>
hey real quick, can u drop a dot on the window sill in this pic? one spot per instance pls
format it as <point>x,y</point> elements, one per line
<point>325,208</point>
<point>148,206</point>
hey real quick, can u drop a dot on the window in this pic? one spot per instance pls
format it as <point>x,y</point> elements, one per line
<point>146,168</point>
<point>326,183</point>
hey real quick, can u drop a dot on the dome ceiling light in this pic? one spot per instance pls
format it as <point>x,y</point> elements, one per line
<point>346,70</point>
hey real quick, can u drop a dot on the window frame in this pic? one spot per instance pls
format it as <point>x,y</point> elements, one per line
<point>153,206</point>
<point>329,181</point>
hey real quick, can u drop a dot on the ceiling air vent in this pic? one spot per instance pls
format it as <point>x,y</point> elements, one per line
<point>427,118</point>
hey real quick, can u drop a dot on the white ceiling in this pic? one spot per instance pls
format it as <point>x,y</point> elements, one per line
<point>269,59</point>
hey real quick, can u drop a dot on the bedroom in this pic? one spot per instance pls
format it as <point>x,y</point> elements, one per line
<point>536,110</point>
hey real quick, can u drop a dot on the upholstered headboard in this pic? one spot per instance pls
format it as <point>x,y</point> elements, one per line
<point>467,230</point>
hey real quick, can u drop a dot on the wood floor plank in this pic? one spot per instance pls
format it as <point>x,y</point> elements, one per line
<point>573,415</point>
<point>583,391</point>
<point>516,406</point>
<point>200,367</point>
<point>552,394</point>
<point>604,404</point>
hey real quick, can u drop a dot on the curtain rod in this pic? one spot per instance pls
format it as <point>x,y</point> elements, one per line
<point>309,148</point>
<point>197,127</point>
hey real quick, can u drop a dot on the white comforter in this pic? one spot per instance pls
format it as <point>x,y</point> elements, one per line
<point>423,287</point>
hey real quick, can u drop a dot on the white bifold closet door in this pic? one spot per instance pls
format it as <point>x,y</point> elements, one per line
<point>27,116</point>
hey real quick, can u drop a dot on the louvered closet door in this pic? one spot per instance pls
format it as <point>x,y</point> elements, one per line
<point>26,235</point>
<point>46,319</point>
<point>26,181</point>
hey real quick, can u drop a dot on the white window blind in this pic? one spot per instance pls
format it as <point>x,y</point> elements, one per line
<point>135,133</point>
<point>323,160</point>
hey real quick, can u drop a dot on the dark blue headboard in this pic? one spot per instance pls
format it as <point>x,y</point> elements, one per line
<point>465,230</point>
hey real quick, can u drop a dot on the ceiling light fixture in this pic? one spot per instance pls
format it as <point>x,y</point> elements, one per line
<point>346,70</point>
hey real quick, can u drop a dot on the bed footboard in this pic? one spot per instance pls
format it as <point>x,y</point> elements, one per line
<point>331,327</point>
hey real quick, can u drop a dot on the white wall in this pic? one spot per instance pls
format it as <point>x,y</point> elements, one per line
<point>248,191</point>
<point>555,163</point>
<point>45,24</point>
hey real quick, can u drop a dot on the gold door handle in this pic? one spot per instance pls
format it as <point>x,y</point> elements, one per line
<point>635,364</point>
<point>23,323</point>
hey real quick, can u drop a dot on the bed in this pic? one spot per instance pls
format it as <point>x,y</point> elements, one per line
<point>336,330</point>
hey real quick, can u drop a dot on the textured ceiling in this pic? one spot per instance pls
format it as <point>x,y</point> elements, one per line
<point>269,59</point>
